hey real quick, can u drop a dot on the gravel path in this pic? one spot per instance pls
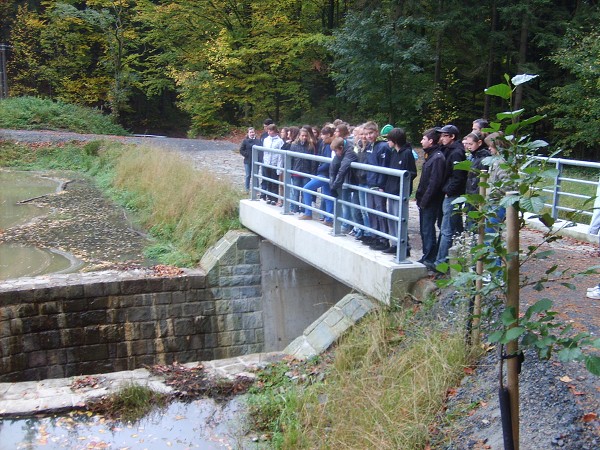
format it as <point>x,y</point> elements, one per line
<point>555,397</point>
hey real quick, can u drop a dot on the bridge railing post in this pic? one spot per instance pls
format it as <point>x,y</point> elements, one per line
<point>402,246</point>
<point>287,182</point>
<point>255,179</point>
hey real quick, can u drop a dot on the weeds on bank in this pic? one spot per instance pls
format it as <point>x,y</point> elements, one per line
<point>129,404</point>
<point>387,382</point>
<point>187,210</point>
<point>33,113</point>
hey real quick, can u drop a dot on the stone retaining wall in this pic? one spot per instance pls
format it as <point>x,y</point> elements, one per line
<point>66,325</point>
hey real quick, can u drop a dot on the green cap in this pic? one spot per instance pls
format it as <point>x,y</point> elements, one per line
<point>386,129</point>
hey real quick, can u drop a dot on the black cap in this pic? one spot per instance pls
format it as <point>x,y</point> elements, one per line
<point>449,129</point>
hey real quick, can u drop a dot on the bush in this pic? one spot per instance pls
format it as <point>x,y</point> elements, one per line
<point>32,113</point>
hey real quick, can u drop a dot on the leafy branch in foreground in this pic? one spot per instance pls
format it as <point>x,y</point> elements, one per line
<point>519,187</point>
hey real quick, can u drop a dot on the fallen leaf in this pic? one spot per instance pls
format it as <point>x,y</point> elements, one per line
<point>589,417</point>
<point>469,370</point>
<point>565,379</point>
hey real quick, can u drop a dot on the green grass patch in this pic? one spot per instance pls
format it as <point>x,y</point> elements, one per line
<point>130,404</point>
<point>185,210</point>
<point>33,113</point>
<point>386,384</point>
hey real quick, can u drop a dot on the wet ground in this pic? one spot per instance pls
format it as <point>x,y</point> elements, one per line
<point>79,221</point>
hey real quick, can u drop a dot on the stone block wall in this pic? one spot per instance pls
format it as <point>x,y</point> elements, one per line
<point>77,324</point>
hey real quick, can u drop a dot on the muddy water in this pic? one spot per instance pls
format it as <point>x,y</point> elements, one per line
<point>23,260</point>
<point>202,424</point>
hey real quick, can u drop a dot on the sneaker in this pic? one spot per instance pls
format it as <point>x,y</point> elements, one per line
<point>305,217</point>
<point>593,294</point>
<point>595,288</point>
<point>328,223</point>
<point>391,250</point>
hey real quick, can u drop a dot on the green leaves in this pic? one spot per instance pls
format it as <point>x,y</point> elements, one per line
<point>499,90</point>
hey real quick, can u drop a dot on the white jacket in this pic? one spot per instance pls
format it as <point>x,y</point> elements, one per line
<point>273,159</point>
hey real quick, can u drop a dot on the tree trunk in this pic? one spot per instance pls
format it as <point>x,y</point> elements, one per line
<point>522,57</point>
<point>490,63</point>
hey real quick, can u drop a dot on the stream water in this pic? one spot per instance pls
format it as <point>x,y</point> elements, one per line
<point>21,260</point>
<point>201,424</point>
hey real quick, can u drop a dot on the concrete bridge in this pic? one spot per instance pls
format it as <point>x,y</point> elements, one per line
<point>370,272</point>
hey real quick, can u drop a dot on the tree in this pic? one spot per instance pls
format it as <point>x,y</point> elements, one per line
<point>575,106</point>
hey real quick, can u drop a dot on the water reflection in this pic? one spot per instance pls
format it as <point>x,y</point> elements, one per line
<point>203,424</point>
<point>18,186</point>
<point>20,261</point>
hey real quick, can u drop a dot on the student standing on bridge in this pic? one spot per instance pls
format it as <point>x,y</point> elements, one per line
<point>246,151</point>
<point>305,144</point>
<point>429,195</point>
<point>454,187</point>
<point>314,184</point>
<point>263,136</point>
<point>340,172</point>
<point>275,162</point>
<point>378,154</point>
<point>401,158</point>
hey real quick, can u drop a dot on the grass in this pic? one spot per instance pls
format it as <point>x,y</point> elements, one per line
<point>130,404</point>
<point>33,113</point>
<point>387,383</point>
<point>184,210</point>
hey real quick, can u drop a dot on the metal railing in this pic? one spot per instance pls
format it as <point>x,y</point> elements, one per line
<point>400,239</point>
<point>557,192</point>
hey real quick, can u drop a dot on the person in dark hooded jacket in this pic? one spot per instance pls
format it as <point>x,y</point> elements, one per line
<point>401,158</point>
<point>246,151</point>
<point>429,195</point>
<point>475,144</point>
<point>454,187</point>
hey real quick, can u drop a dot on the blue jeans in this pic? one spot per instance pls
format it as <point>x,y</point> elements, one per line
<point>362,201</point>
<point>451,225</point>
<point>307,198</point>
<point>348,212</point>
<point>295,193</point>
<point>427,219</point>
<point>248,169</point>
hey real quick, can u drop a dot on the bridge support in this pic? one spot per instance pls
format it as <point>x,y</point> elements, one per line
<point>341,257</point>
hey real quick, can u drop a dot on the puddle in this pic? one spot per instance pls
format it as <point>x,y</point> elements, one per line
<point>20,261</point>
<point>18,186</point>
<point>202,424</point>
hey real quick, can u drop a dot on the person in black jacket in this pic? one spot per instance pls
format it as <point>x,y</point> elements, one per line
<point>475,144</point>
<point>454,187</point>
<point>401,158</point>
<point>429,195</point>
<point>246,152</point>
<point>340,172</point>
<point>378,154</point>
<point>304,143</point>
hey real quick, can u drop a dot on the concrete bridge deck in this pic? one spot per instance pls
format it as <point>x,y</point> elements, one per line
<point>370,272</point>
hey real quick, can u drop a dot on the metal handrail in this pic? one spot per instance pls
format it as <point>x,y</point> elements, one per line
<point>401,239</point>
<point>557,190</point>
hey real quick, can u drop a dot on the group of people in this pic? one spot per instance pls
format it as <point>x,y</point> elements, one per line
<point>439,186</point>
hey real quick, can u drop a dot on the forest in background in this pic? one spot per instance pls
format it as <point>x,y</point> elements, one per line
<point>203,66</point>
